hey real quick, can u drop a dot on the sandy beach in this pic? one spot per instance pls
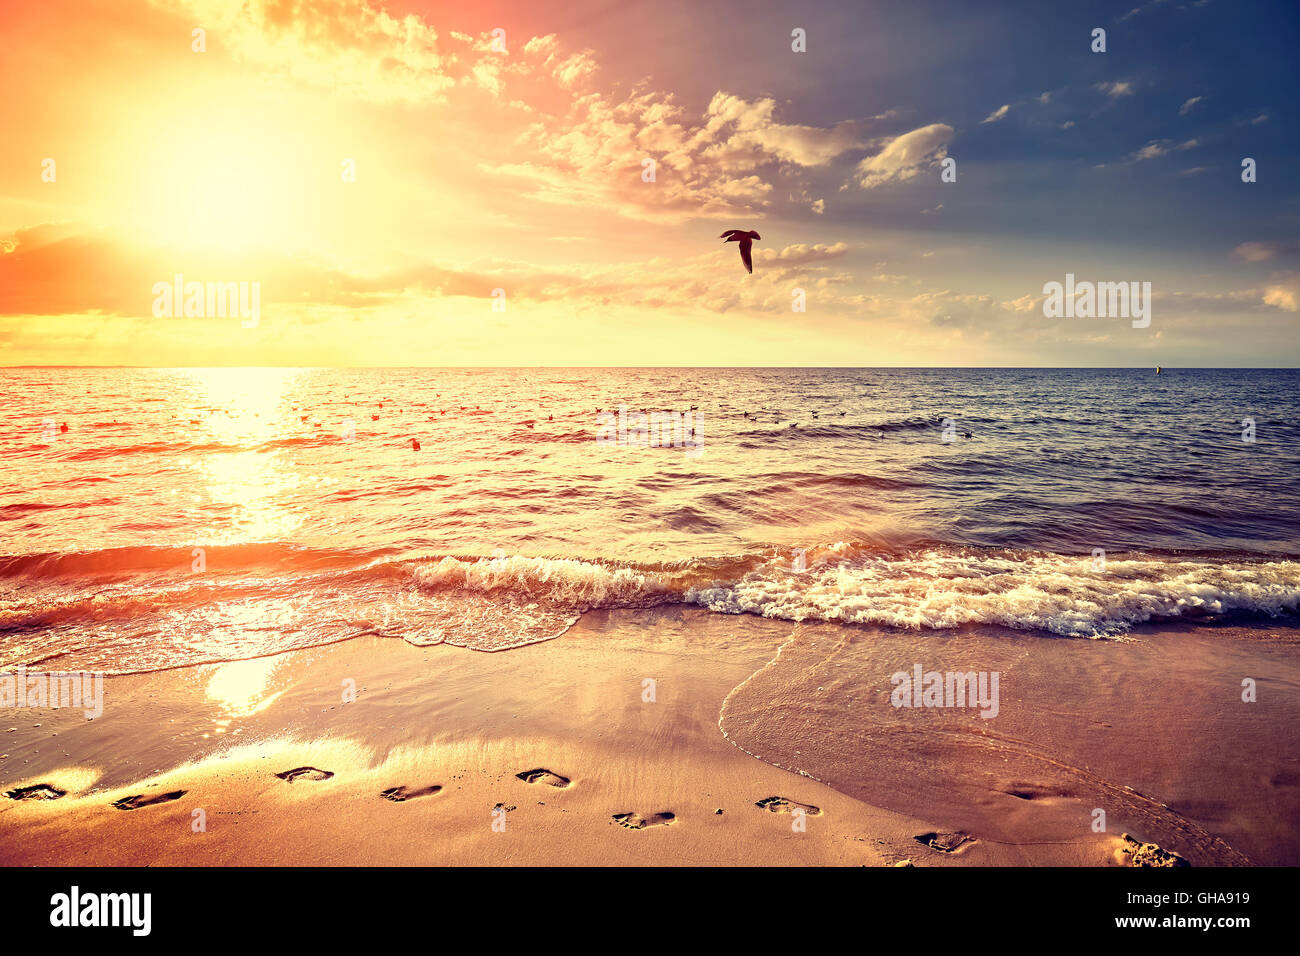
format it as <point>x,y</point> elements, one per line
<point>555,753</point>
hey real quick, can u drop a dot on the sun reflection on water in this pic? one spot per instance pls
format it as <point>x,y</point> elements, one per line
<point>243,688</point>
<point>245,408</point>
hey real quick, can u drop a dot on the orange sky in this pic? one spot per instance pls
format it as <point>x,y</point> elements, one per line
<point>479,169</point>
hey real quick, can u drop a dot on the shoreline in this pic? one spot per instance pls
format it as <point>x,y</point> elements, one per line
<point>724,687</point>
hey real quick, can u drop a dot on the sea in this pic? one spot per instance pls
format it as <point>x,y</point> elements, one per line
<point>156,518</point>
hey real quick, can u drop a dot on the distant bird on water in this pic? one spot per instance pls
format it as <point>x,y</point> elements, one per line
<point>415,444</point>
<point>746,240</point>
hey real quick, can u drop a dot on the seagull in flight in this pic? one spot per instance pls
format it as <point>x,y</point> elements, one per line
<point>746,240</point>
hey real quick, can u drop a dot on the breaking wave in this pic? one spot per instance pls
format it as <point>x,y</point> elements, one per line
<point>151,614</point>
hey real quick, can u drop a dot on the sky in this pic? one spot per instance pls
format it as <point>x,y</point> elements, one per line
<point>429,183</point>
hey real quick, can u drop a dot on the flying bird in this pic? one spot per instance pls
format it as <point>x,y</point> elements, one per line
<point>746,240</point>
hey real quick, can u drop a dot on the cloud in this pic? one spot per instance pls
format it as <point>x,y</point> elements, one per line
<point>119,278</point>
<point>750,127</point>
<point>1188,104</point>
<point>352,47</point>
<point>1161,147</point>
<point>1150,151</point>
<point>818,206</point>
<point>802,254</point>
<point>997,114</point>
<point>720,164</point>
<point>568,69</point>
<point>1264,251</point>
<point>1284,297</point>
<point>579,145</point>
<point>904,156</point>
<point>1115,89</point>
<point>1144,8</point>
<point>1282,294</point>
<point>949,310</point>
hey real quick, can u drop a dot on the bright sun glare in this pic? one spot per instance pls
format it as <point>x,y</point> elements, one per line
<point>221,181</point>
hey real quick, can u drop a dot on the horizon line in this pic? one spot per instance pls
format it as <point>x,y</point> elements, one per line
<point>1116,368</point>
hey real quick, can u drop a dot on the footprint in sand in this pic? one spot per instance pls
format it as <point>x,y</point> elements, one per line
<point>634,821</point>
<point>40,791</point>
<point>140,800</point>
<point>782,805</point>
<point>402,794</point>
<point>944,842</point>
<point>542,775</point>
<point>1032,791</point>
<point>305,773</point>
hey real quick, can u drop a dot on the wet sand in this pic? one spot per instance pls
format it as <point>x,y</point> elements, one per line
<point>561,753</point>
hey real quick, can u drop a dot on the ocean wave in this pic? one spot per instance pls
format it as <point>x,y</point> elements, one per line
<point>1066,595</point>
<point>581,584</point>
<point>128,562</point>
<point>151,612</point>
<point>801,428</point>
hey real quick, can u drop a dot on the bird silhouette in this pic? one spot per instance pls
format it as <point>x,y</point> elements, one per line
<point>746,240</point>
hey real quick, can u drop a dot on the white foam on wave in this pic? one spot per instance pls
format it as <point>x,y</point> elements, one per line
<point>939,588</point>
<point>1060,594</point>
<point>568,581</point>
<point>502,602</point>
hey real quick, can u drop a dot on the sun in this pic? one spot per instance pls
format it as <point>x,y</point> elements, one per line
<point>221,180</point>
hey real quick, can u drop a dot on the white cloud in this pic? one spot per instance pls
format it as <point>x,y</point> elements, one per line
<point>997,114</point>
<point>1284,297</point>
<point>904,156</point>
<point>1150,151</point>
<point>1263,251</point>
<point>802,253</point>
<point>1116,89</point>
